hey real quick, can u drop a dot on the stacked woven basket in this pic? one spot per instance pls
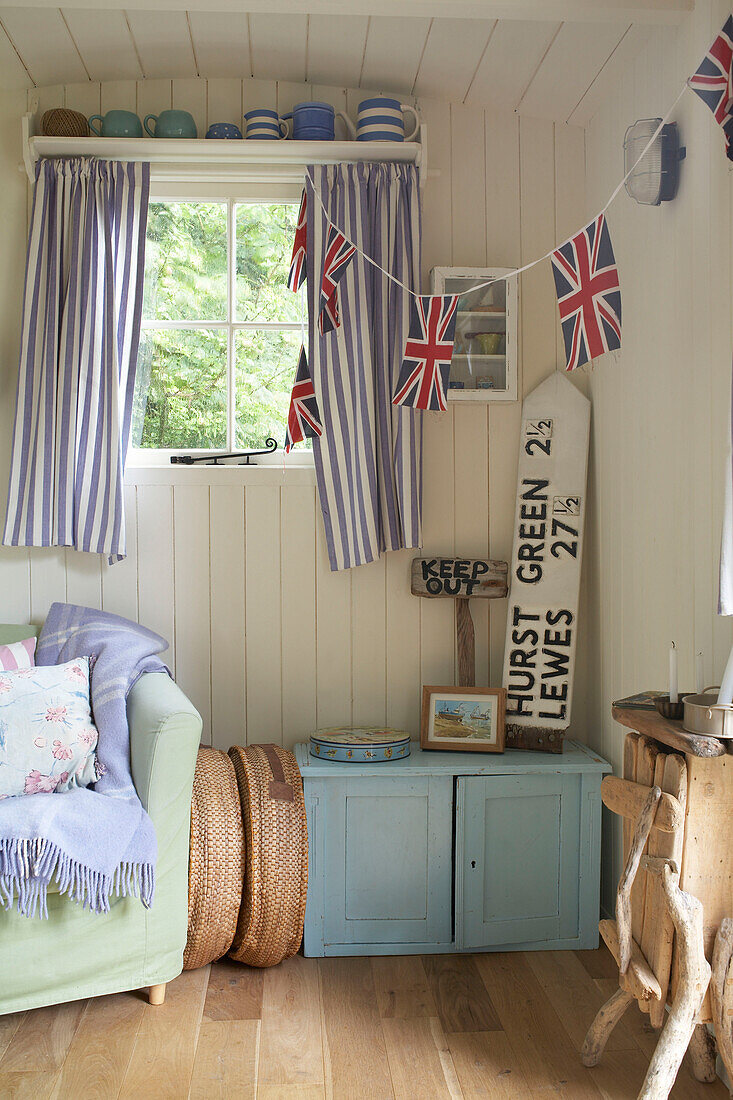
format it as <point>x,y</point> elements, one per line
<point>248,865</point>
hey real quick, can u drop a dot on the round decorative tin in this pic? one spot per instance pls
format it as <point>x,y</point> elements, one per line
<point>360,744</point>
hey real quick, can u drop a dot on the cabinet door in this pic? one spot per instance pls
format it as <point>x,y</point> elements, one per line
<point>387,860</point>
<point>518,849</point>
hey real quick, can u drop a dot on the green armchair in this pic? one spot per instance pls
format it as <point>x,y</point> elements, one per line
<point>76,953</point>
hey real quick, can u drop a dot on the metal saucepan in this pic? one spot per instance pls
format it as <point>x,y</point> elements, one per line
<point>703,714</point>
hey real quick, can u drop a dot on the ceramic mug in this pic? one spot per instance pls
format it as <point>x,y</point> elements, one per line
<point>312,121</point>
<point>171,124</point>
<point>263,122</point>
<point>116,124</point>
<point>224,130</point>
<point>380,119</point>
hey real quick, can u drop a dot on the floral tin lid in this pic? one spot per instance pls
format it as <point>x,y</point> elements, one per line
<point>356,744</point>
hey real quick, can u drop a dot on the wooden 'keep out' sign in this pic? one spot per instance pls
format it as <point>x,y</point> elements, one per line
<point>461,579</point>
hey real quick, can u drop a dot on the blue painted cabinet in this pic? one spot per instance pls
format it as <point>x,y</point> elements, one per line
<point>451,852</point>
<point>518,859</point>
<point>388,848</point>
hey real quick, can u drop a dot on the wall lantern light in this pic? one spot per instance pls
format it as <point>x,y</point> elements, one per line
<point>655,178</point>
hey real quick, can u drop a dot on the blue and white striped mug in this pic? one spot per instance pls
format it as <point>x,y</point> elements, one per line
<point>262,122</point>
<point>380,119</point>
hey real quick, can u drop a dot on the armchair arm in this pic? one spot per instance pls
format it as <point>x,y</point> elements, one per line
<point>165,730</point>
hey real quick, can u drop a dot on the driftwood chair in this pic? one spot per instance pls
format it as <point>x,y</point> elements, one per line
<point>658,938</point>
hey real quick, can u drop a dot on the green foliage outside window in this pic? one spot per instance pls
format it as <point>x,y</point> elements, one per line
<point>181,386</point>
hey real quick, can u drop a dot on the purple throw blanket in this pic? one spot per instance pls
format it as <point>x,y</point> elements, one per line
<point>96,841</point>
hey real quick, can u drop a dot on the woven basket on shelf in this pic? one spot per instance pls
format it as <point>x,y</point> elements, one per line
<point>63,122</point>
<point>270,926</point>
<point>216,861</point>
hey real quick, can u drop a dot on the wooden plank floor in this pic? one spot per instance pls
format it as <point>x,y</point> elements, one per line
<point>494,1026</point>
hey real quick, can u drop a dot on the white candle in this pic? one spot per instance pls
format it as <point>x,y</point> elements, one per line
<point>726,684</point>
<point>673,697</point>
<point>699,674</point>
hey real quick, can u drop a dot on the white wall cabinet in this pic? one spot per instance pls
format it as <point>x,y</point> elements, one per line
<point>484,364</point>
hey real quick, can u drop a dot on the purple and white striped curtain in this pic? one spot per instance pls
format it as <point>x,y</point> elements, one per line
<point>369,458</point>
<point>79,343</point>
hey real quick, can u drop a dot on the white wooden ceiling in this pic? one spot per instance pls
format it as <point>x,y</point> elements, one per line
<point>557,68</point>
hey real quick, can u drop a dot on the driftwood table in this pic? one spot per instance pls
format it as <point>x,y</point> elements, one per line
<point>673,934</point>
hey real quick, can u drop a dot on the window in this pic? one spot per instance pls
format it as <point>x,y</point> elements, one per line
<point>221,332</point>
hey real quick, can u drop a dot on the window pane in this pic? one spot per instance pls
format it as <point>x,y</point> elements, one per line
<point>181,389</point>
<point>264,247</point>
<point>186,262</point>
<point>266,363</point>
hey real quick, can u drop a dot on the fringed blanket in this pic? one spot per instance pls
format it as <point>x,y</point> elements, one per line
<point>97,842</point>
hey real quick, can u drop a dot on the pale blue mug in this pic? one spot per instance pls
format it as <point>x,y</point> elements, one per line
<point>116,124</point>
<point>264,123</point>
<point>172,124</point>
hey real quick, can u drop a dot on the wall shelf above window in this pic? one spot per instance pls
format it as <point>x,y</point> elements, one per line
<point>203,160</point>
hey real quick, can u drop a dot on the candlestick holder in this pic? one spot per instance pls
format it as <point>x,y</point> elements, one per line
<point>667,709</point>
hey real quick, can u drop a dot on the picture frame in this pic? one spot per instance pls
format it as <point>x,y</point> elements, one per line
<point>462,719</point>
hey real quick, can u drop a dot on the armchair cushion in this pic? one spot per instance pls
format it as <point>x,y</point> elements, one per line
<point>47,736</point>
<point>18,655</point>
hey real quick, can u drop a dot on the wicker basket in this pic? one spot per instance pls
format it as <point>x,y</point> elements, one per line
<point>270,926</point>
<point>63,122</point>
<point>216,861</point>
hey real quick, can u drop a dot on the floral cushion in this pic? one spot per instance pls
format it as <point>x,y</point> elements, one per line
<point>17,655</point>
<point>47,735</point>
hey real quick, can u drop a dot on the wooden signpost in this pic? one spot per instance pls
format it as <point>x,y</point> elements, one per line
<point>461,579</point>
<point>542,622</point>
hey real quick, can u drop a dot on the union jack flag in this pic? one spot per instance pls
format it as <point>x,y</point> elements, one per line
<point>304,419</point>
<point>339,254</point>
<point>425,369</point>
<point>297,264</point>
<point>328,318</point>
<point>713,82</point>
<point>588,294</point>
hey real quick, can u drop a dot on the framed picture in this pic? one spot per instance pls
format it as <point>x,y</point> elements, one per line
<point>463,719</point>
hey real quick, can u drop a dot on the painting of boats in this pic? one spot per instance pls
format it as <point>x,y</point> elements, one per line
<point>463,719</point>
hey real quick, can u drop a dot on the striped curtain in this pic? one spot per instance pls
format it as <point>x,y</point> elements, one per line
<point>369,458</point>
<point>79,342</point>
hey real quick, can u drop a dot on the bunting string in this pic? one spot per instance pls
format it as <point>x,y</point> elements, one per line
<point>584,269</point>
<point>532,263</point>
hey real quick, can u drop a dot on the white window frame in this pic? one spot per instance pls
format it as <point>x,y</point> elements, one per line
<point>264,191</point>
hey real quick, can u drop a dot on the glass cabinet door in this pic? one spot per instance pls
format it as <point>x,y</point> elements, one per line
<point>484,359</point>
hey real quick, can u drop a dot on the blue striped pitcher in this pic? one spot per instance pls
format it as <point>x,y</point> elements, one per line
<point>380,119</point>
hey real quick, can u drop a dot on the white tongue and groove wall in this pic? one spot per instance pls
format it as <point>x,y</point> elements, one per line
<point>661,410</point>
<point>230,564</point>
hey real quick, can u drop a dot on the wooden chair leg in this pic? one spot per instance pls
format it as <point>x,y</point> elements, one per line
<point>156,994</point>
<point>623,894</point>
<point>604,1023</point>
<point>701,1053</point>
<point>694,976</point>
<point>721,993</point>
